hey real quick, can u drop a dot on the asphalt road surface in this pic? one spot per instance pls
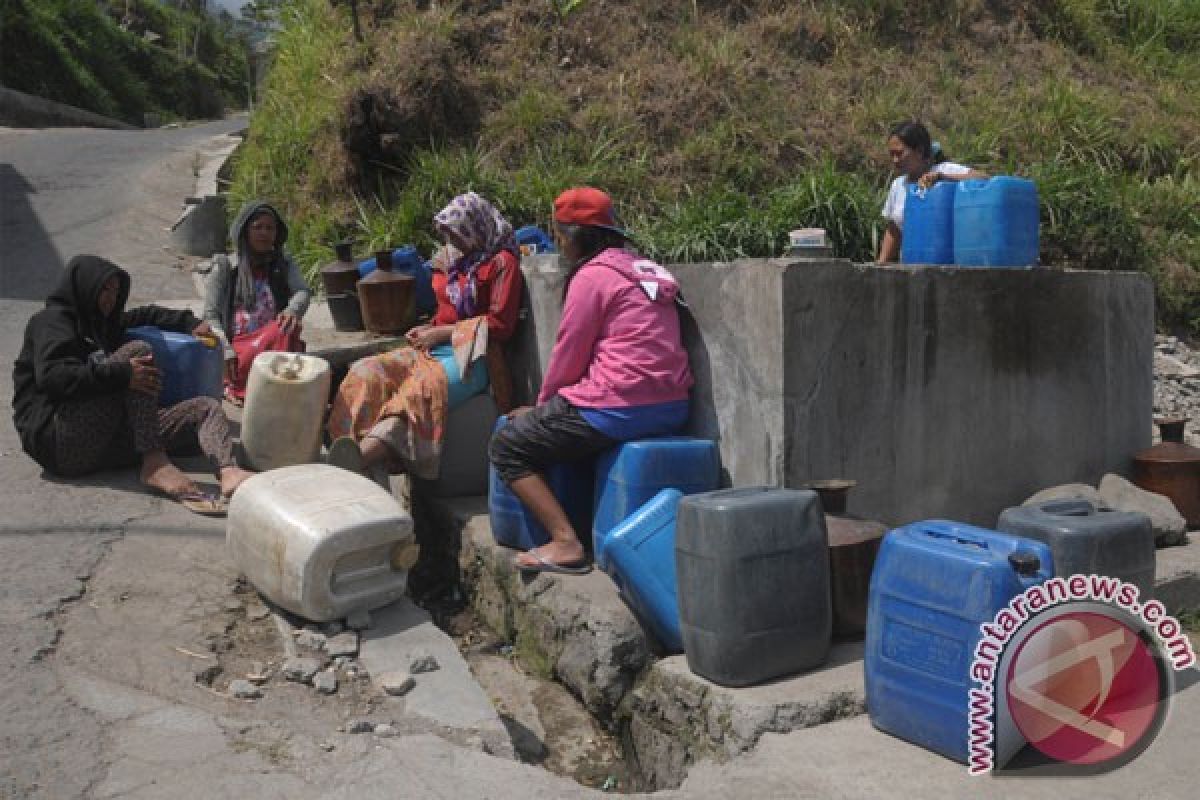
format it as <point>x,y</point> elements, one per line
<point>64,192</point>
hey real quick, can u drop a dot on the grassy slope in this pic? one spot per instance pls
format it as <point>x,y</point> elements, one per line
<point>719,126</point>
<point>74,52</point>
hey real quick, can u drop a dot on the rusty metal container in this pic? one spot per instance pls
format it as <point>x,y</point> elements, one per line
<point>853,543</point>
<point>388,299</point>
<point>1172,468</point>
<point>341,276</point>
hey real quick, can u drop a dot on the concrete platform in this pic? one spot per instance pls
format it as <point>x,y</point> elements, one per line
<point>1177,575</point>
<point>577,630</point>
<point>851,759</point>
<point>339,348</point>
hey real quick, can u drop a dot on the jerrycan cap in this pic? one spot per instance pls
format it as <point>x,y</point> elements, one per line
<point>288,368</point>
<point>1025,562</point>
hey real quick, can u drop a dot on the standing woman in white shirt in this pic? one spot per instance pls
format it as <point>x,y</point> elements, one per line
<point>915,159</point>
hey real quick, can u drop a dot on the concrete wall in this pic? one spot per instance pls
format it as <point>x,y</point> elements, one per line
<point>944,392</point>
<point>20,110</point>
<point>959,392</point>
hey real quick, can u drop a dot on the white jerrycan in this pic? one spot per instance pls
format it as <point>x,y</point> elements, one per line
<point>286,395</point>
<point>321,541</point>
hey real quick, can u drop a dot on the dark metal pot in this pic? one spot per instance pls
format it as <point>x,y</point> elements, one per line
<point>341,276</point>
<point>1172,468</point>
<point>853,543</point>
<point>388,298</point>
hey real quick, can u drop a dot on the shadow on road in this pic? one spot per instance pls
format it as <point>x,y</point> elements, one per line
<point>29,268</point>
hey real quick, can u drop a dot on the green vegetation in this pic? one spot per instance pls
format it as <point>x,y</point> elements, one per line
<point>123,59</point>
<point>719,126</point>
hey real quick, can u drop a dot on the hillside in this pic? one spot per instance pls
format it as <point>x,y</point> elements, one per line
<point>718,126</point>
<point>124,59</point>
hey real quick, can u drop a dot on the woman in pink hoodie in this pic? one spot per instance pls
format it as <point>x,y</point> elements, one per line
<point>618,370</point>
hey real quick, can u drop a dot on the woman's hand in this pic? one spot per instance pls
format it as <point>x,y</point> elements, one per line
<point>519,411</point>
<point>287,322</point>
<point>145,378</point>
<point>929,179</point>
<point>414,334</point>
<point>425,337</point>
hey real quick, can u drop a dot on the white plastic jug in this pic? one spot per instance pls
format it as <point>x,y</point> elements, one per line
<point>286,395</point>
<point>321,541</point>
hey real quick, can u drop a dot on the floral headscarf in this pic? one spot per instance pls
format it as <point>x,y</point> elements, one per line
<point>484,233</point>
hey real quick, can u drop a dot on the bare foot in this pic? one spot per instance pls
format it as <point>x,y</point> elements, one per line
<point>232,478</point>
<point>159,473</point>
<point>561,553</point>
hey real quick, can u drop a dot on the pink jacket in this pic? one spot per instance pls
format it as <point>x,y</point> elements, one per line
<point>618,343</point>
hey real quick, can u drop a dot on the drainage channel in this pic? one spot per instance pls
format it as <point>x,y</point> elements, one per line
<point>549,727</point>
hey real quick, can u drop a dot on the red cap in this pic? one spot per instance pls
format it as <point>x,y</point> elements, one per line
<point>586,206</point>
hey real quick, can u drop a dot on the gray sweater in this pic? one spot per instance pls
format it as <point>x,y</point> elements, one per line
<point>226,288</point>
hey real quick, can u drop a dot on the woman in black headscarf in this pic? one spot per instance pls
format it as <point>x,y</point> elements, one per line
<point>85,400</point>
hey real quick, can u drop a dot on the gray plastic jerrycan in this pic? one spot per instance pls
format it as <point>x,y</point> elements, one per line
<point>1089,540</point>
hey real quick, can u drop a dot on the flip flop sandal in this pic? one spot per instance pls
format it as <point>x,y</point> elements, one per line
<point>545,565</point>
<point>202,503</point>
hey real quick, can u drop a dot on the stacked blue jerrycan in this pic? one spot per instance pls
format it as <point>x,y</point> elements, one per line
<point>533,240</point>
<point>928,236</point>
<point>995,223</point>
<point>933,585</point>
<point>407,261</point>
<point>752,566</point>
<point>632,472</point>
<point>190,367</point>
<point>513,525</point>
<point>641,553</point>
<point>1087,540</point>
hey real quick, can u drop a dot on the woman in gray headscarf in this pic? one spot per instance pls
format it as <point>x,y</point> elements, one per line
<point>254,303</point>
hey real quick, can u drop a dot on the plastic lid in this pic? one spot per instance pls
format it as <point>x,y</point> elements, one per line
<point>1025,562</point>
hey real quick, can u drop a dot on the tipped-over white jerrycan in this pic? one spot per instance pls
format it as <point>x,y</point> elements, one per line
<point>321,541</point>
<point>286,395</point>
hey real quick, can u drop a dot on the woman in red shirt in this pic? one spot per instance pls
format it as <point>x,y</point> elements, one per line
<point>390,408</point>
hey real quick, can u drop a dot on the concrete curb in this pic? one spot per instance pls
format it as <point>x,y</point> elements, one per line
<point>576,629</point>
<point>449,695</point>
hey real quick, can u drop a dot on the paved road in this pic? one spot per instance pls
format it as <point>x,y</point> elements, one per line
<point>64,192</point>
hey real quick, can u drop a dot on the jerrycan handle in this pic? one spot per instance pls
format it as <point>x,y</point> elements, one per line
<point>955,536</point>
<point>289,367</point>
<point>973,184</point>
<point>1071,507</point>
<point>294,367</point>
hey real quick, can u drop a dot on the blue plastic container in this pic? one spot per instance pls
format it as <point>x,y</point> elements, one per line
<point>535,239</point>
<point>642,554</point>
<point>928,236</point>
<point>189,367</point>
<point>996,223</point>
<point>933,584</point>
<point>407,261</point>
<point>514,526</point>
<point>459,391</point>
<point>631,473</point>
